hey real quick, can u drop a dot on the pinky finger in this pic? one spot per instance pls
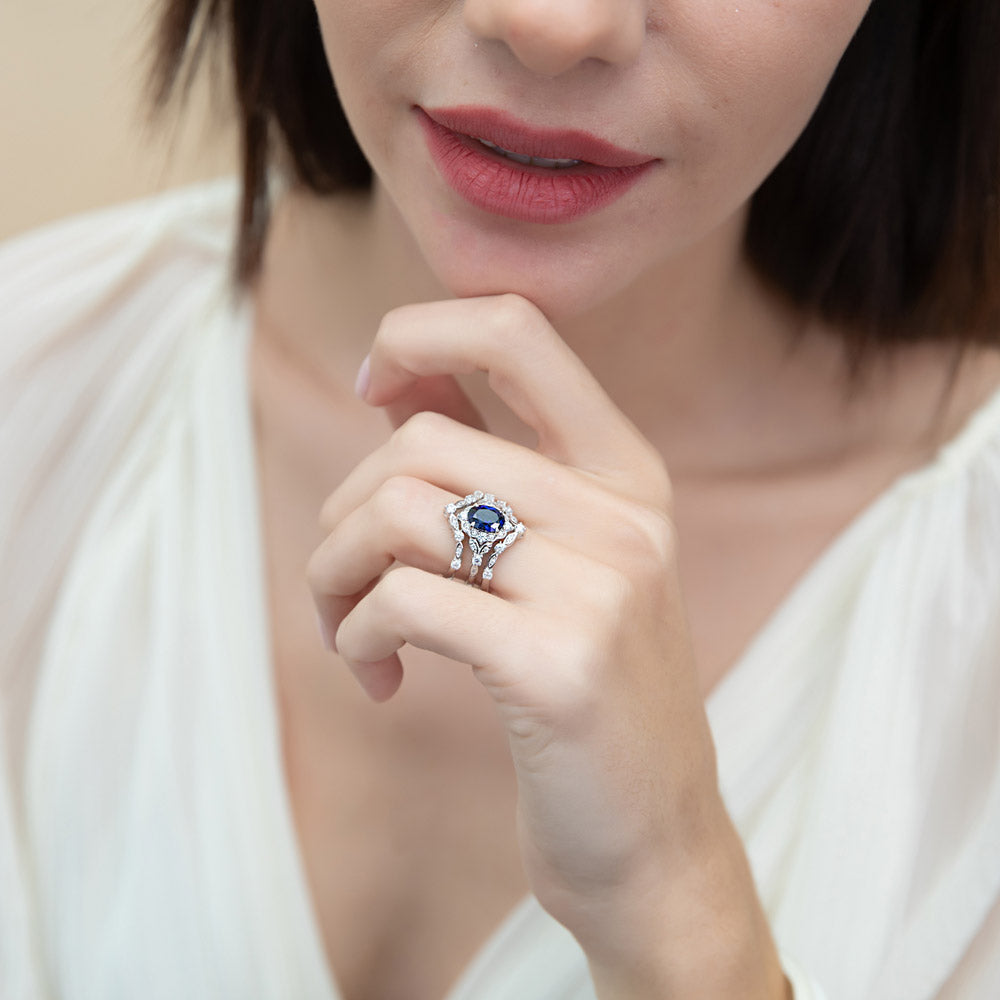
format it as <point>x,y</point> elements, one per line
<point>379,680</point>
<point>427,611</point>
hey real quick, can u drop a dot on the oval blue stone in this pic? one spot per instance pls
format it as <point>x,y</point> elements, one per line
<point>488,519</point>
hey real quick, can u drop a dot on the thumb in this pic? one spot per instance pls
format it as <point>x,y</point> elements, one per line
<point>439,393</point>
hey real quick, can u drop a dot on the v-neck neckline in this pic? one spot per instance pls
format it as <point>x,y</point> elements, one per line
<point>816,585</point>
<point>854,540</point>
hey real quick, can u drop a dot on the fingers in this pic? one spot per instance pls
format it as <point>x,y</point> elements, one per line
<point>426,611</point>
<point>523,653</point>
<point>379,680</point>
<point>460,459</point>
<point>454,458</point>
<point>411,607</point>
<point>405,524</point>
<point>529,366</point>
<point>401,535</point>
<point>594,497</point>
<point>437,394</point>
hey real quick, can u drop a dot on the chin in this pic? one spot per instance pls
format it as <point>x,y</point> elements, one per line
<point>564,283</point>
<point>566,271</point>
<point>560,302</point>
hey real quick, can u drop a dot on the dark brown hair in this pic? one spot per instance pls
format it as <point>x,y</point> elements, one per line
<point>883,218</point>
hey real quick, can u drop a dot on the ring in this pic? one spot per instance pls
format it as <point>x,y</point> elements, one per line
<point>491,527</point>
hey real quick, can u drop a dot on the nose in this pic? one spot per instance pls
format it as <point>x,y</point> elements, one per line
<point>550,37</point>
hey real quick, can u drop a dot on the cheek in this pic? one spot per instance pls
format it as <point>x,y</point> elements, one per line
<point>726,86</point>
<point>381,53</point>
<point>761,68</point>
<point>352,25</point>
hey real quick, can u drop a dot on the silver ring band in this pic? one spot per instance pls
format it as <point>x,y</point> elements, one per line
<point>490,526</point>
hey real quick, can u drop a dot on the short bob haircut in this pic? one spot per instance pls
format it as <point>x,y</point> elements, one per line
<point>883,218</point>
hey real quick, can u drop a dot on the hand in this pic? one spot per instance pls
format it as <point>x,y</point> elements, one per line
<point>582,643</point>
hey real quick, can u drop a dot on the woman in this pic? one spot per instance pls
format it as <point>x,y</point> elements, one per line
<point>740,431</point>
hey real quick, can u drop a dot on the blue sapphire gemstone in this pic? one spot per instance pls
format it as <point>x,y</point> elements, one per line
<point>487,519</point>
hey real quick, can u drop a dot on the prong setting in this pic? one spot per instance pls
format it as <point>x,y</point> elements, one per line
<point>489,525</point>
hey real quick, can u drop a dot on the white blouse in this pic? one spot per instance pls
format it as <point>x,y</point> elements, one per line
<point>146,841</point>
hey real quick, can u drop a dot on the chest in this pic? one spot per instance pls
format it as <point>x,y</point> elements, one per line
<point>743,550</point>
<point>405,815</point>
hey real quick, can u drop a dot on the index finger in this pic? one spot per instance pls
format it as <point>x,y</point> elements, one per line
<point>529,367</point>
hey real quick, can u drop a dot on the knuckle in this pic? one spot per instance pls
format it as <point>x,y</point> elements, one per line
<point>613,597</point>
<point>396,599</point>
<point>346,637</point>
<point>657,489</point>
<point>647,540</point>
<point>604,598</point>
<point>325,575</point>
<point>512,315</point>
<point>387,515</point>
<point>317,574</point>
<point>393,595</point>
<point>420,433</point>
<point>399,492</point>
<point>593,580</point>
<point>395,325</point>
<point>575,667</point>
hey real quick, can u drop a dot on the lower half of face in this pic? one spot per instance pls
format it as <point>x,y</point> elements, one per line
<point>566,150</point>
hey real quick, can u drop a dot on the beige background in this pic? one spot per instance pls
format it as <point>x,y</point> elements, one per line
<point>71,123</point>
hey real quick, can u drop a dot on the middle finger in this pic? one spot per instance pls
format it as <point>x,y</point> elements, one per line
<point>458,459</point>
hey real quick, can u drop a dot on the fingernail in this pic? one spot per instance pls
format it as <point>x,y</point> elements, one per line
<point>364,378</point>
<point>324,634</point>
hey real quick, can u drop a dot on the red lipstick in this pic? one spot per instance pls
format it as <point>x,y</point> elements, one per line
<point>507,167</point>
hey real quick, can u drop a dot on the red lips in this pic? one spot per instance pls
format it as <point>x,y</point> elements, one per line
<point>527,192</point>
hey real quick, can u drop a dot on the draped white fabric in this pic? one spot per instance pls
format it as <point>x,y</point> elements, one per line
<point>146,841</point>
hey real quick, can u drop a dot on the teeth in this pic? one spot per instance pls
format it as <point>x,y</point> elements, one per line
<point>534,161</point>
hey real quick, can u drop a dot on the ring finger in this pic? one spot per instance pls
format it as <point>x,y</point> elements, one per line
<point>404,521</point>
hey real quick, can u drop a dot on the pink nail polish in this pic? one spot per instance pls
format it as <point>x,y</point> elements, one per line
<point>364,378</point>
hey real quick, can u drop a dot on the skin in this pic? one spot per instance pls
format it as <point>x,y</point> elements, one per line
<point>592,654</point>
<point>624,837</point>
<point>718,91</point>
